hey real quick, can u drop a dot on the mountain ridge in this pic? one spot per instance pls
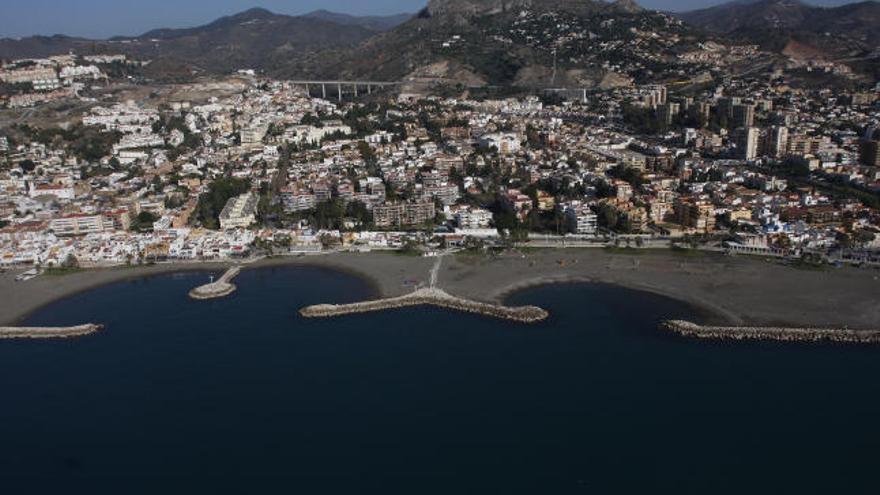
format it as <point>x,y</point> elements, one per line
<point>800,31</point>
<point>312,31</point>
<point>577,43</point>
<point>859,18</point>
<point>374,22</point>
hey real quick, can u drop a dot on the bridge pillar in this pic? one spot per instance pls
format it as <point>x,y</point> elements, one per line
<point>369,89</point>
<point>324,90</point>
<point>355,90</point>
<point>339,87</point>
<point>307,90</point>
<point>585,96</point>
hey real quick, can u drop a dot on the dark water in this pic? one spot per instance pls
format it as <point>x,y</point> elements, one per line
<point>241,395</point>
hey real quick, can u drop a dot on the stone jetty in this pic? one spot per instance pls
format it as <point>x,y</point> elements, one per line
<point>429,297</point>
<point>786,334</point>
<point>220,288</point>
<point>48,332</point>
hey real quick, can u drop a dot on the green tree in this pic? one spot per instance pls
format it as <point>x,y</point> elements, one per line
<point>212,202</point>
<point>359,211</point>
<point>329,214</point>
<point>366,152</point>
<point>143,222</point>
<point>608,216</point>
<point>309,119</point>
<point>864,237</point>
<point>628,174</point>
<point>70,262</point>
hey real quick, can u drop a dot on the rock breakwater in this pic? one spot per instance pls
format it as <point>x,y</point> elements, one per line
<point>48,332</point>
<point>429,297</point>
<point>221,288</point>
<point>785,334</point>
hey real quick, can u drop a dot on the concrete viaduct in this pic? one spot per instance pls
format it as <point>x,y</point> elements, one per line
<point>339,85</point>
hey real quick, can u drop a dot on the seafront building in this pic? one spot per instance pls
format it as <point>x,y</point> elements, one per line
<point>581,218</point>
<point>403,214</point>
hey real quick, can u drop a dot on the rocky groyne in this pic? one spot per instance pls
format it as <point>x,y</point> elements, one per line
<point>429,297</point>
<point>221,288</point>
<point>785,334</point>
<point>48,332</point>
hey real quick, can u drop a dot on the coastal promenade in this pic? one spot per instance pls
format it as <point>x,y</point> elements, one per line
<point>785,334</point>
<point>220,288</point>
<point>7,333</point>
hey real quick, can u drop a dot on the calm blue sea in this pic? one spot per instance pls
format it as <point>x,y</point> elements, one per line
<point>242,395</point>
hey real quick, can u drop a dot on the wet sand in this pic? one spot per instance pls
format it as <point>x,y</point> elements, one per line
<point>725,290</point>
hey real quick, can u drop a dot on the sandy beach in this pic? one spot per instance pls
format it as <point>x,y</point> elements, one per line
<point>724,290</point>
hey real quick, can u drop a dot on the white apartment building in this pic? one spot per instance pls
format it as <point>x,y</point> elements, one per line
<point>80,225</point>
<point>60,191</point>
<point>506,143</point>
<point>581,219</point>
<point>747,143</point>
<point>473,218</point>
<point>309,134</point>
<point>104,59</point>
<point>252,136</point>
<point>120,116</point>
<point>133,141</point>
<point>42,78</point>
<point>80,72</point>
<point>239,212</point>
<point>295,200</point>
<point>448,194</point>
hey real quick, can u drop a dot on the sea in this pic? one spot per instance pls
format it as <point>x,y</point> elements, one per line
<point>242,395</point>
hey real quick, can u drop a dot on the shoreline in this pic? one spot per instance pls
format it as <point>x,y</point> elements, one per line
<point>13,314</point>
<point>48,289</point>
<point>705,311</point>
<point>723,291</point>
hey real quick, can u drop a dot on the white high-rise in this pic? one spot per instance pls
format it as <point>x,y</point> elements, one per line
<point>747,144</point>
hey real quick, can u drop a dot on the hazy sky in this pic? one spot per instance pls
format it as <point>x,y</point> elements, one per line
<point>105,18</point>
